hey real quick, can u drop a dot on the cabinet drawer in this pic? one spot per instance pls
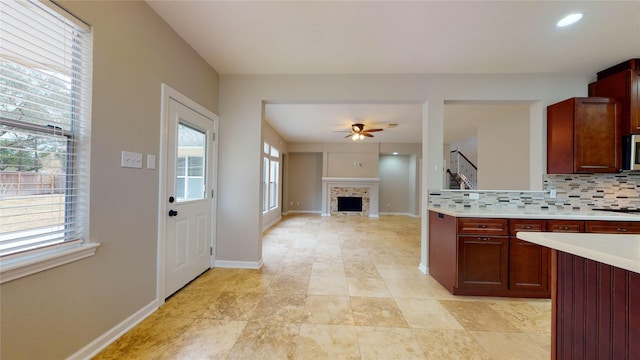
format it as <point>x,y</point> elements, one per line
<point>613,227</point>
<point>526,225</point>
<point>565,226</point>
<point>482,226</point>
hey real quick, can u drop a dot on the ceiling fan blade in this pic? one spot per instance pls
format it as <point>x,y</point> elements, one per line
<point>350,135</point>
<point>372,130</point>
<point>366,134</point>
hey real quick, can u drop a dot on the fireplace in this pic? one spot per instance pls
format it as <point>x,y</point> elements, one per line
<point>365,190</point>
<point>350,203</point>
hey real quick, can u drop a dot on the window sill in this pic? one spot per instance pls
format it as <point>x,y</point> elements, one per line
<point>12,270</point>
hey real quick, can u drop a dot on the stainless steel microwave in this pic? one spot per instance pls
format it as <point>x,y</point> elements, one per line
<point>631,152</point>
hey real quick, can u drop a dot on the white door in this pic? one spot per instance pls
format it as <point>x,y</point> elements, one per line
<point>188,229</point>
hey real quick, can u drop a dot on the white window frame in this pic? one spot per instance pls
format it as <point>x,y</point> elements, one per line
<point>17,265</point>
<point>270,178</point>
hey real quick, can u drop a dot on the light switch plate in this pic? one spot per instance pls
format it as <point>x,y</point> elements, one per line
<point>151,161</point>
<point>131,160</point>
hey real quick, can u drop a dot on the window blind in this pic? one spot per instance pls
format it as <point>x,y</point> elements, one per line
<point>45,98</point>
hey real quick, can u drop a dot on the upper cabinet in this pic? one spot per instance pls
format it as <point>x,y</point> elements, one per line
<point>583,136</point>
<point>622,82</point>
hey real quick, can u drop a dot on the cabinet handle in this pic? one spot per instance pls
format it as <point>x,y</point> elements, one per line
<point>483,238</point>
<point>528,227</point>
<point>483,226</point>
<point>564,228</point>
<point>622,229</point>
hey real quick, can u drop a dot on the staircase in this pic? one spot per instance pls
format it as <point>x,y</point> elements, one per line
<point>463,174</point>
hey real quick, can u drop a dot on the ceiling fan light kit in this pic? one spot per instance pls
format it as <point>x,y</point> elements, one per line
<point>358,132</point>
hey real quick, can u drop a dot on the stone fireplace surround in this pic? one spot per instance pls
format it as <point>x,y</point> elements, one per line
<point>332,187</point>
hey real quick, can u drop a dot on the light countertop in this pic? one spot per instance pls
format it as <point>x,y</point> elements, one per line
<point>536,214</point>
<point>619,250</point>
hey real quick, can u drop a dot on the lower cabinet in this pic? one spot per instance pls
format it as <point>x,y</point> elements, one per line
<point>483,256</point>
<point>483,262</point>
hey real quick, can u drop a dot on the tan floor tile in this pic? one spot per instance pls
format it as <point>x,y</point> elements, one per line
<point>328,310</point>
<point>475,315</point>
<point>187,304</point>
<point>266,340</point>
<point>369,287</point>
<point>528,318</point>
<point>360,269</point>
<point>249,283</point>
<point>329,269</point>
<point>148,340</point>
<point>441,344</point>
<point>427,314</point>
<point>327,342</point>
<point>233,306</point>
<point>377,312</point>
<point>324,285</point>
<point>284,308</point>
<point>400,272</point>
<point>511,346</point>
<point>205,339</point>
<point>387,343</point>
<point>408,288</point>
<point>288,284</point>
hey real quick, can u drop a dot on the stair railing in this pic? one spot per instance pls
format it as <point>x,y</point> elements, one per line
<point>464,168</point>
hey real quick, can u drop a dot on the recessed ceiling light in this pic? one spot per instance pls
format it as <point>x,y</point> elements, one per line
<point>569,19</point>
<point>395,153</point>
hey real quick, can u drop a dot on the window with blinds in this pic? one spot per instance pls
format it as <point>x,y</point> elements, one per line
<point>45,98</point>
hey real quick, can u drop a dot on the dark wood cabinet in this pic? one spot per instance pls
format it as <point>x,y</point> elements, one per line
<point>528,263</point>
<point>584,136</point>
<point>483,262</point>
<point>613,227</point>
<point>573,226</point>
<point>624,86</point>
<point>483,256</point>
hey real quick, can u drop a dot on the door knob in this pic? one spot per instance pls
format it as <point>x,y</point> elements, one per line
<point>173,213</point>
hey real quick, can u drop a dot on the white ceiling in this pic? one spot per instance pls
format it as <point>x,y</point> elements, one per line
<point>397,37</point>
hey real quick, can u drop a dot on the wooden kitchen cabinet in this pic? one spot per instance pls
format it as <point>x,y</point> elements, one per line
<point>613,227</point>
<point>584,136</point>
<point>528,263</point>
<point>574,226</point>
<point>483,262</point>
<point>624,86</point>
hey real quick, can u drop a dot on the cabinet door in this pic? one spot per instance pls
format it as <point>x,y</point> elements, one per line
<point>528,266</point>
<point>613,227</point>
<point>528,263</point>
<point>483,262</point>
<point>597,137</point>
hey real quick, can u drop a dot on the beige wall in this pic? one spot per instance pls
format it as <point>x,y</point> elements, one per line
<point>242,96</point>
<point>503,153</point>
<point>395,183</point>
<point>304,189</point>
<point>55,313</point>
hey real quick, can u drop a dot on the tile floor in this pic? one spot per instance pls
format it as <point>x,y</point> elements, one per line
<point>336,288</point>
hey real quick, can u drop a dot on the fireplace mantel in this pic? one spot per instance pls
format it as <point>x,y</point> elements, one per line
<point>371,184</point>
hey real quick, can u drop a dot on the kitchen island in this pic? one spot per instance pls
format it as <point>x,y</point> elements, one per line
<point>595,291</point>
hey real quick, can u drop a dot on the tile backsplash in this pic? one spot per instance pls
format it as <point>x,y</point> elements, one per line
<point>573,192</point>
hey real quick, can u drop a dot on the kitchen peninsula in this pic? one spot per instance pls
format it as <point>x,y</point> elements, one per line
<point>595,282</point>
<point>477,251</point>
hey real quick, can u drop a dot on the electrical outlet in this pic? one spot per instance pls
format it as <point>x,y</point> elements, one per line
<point>151,161</point>
<point>131,160</point>
<point>553,194</point>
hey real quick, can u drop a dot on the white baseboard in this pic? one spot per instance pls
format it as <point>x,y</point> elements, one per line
<point>304,212</point>
<point>239,264</point>
<point>275,221</point>
<point>423,268</point>
<point>97,345</point>
<point>400,214</point>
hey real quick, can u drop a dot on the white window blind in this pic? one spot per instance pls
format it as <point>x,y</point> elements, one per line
<point>45,98</point>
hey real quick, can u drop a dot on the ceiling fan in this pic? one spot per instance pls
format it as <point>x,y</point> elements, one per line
<point>358,132</point>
